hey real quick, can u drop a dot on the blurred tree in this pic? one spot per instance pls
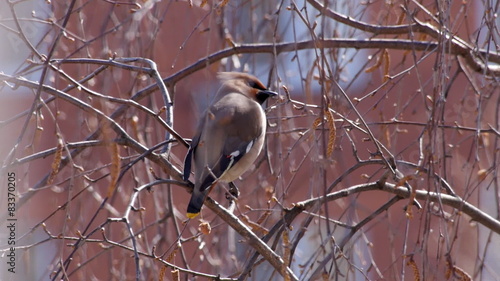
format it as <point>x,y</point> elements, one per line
<point>382,153</point>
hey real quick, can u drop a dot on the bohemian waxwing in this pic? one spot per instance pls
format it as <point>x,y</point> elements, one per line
<point>229,136</point>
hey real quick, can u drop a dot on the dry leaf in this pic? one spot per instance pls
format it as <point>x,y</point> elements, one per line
<point>481,174</point>
<point>57,161</point>
<point>205,228</point>
<point>416,274</point>
<point>332,132</point>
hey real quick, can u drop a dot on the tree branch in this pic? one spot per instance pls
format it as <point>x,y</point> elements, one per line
<point>262,248</point>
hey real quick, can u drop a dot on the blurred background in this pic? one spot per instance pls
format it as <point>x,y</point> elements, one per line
<point>403,92</point>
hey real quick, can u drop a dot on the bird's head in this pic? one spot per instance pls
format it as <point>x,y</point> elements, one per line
<point>246,84</point>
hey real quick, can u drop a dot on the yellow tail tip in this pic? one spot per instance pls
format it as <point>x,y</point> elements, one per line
<point>192,215</point>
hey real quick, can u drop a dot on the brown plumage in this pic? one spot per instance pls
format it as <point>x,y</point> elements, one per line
<point>229,137</point>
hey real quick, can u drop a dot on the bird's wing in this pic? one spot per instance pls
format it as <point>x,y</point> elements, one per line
<point>226,137</point>
<point>234,149</point>
<point>187,163</point>
<point>192,148</point>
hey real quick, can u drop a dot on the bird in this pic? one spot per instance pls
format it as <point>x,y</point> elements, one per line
<point>229,136</point>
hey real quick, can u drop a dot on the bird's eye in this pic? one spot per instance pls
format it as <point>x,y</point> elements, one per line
<point>255,85</point>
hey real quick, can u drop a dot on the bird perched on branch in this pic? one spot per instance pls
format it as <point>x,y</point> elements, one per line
<point>229,137</point>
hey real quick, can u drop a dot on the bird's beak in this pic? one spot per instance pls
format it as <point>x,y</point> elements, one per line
<point>263,95</point>
<point>269,93</point>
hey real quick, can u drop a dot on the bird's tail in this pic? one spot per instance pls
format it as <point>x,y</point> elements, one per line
<point>194,207</point>
<point>198,197</point>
